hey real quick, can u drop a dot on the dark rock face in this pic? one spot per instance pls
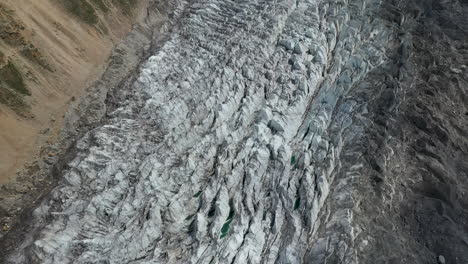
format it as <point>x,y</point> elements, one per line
<point>277,132</point>
<point>420,204</point>
<point>419,200</point>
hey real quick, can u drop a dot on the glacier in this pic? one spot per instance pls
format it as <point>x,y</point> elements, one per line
<point>244,138</point>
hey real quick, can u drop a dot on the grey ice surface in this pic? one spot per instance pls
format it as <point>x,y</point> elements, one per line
<point>249,136</point>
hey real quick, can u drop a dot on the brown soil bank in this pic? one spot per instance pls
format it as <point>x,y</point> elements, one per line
<point>50,51</point>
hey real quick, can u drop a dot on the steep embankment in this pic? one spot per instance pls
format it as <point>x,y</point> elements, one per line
<point>328,131</point>
<point>50,51</point>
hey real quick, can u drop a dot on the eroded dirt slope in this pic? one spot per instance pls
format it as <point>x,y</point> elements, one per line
<point>56,54</point>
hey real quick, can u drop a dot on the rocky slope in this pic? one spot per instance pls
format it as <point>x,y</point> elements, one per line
<point>49,54</point>
<point>284,131</point>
